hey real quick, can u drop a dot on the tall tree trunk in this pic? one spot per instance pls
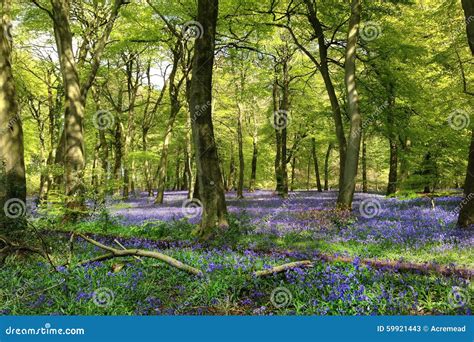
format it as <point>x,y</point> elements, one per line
<point>211,189</point>
<point>466,215</point>
<point>278,142</point>
<point>188,162</point>
<point>117,171</point>
<point>326,166</point>
<point>316,166</point>
<point>74,159</point>
<point>12,163</point>
<point>240,183</point>
<point>230,180</point>
<point>253,175</point>
<point>148,177</point>
<point>292,182</point>
<point>393,143</point>
<point>346,192</point>
<point>392,175</point>
<point>364,164</point>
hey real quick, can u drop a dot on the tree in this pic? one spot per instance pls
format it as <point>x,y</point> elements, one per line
<point>12,163</point>
<point>211,188</point>
<point>346,192</point>
<point>466,215</point>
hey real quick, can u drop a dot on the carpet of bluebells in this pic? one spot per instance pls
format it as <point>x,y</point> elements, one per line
<point>274,231</point>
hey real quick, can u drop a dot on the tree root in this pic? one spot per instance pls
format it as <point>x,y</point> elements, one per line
<point>114,253</point>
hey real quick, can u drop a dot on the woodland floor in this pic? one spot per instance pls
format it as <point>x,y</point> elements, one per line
<point>265,231</point>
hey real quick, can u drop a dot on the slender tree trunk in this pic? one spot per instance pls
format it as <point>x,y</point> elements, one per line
<point>231,177</point>
<point>117,171</point>
<point>292,183</point>
<point>316,166</point>
<point>211,189</point>
<point>278,142</point>
<point>240,184</point>
<point>308,174</point>
<point>188,163</point>
<point>253,175</point>
<point>393,143</point>
<point>12,163</point>
<point>326,166</point>
<point>346,192</point>
<point>364,164</point>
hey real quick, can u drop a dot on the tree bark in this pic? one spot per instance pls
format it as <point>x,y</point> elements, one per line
<point>466,215</point>
<point>12,163</point>
<point>74,159</point>
<point>326,166</point>
<point>393,142</point>
<point>240,183</point>
<point>346,192</point>
<point>364,164</point>
<point>253,175</point>
<point>316,165</point>
<point>211,189</point>
<point>468,6</point>
<point>278,170</point>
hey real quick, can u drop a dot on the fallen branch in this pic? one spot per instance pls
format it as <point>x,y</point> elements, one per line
<point>10,247</point>
<point>114,253</point>
<point>283,268</point>
<point>404,266</point>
